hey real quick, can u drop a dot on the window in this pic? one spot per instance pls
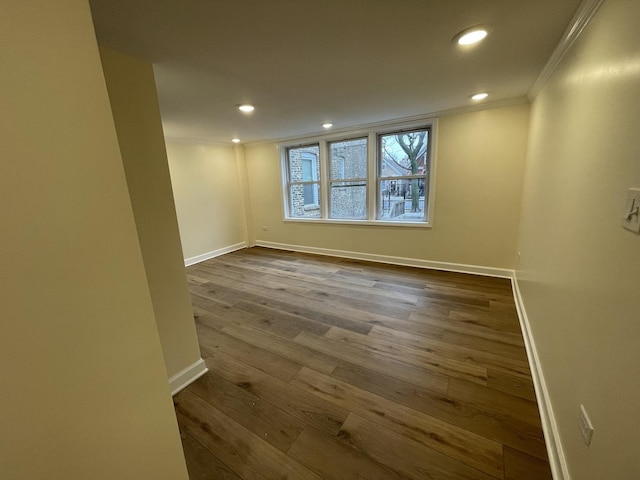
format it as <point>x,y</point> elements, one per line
<point>403,160</point>
<point>310,174</point>
<point>378,176</point>
<point>348,179</point>
<point>303,185</point>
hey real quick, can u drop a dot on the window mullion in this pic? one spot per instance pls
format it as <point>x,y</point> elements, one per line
<point>320,169</point>
<point>324,180</point>
<point>286,181</point>
<point>349,180</point>
<point>372,186</point>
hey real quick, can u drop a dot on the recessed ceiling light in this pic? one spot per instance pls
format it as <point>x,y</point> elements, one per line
<point>246,108</point>
<point>479,96</point>
<point>235,140</point>
<point>327,125</point>
<point>472,35</point>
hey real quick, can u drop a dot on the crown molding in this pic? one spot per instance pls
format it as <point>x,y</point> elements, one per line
<point>196,141</point>
<point>426,117</point>
<point>580,20</point>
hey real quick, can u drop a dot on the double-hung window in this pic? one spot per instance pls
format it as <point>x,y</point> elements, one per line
<point>348,179</point>
<point>303,173</point>
<point>374,176</point>
<point>403,166</point>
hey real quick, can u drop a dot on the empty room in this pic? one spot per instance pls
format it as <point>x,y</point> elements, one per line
<point>301,239</point>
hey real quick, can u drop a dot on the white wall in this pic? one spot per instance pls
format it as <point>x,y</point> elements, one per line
<point>84,387</point>
<point>580,270</point>
<point>134,105</point>
<point>209,197</point>
<point>480,164</point>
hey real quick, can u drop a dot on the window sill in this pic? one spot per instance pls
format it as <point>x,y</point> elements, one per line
<point>374,223</point>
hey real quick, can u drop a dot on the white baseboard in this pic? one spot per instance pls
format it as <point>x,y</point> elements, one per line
<point>214,253</point>
<point>557,460</point>
<point>187,376</point>
<point>409,262</point>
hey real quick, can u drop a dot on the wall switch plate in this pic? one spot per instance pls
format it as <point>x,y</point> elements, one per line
<point>631,215</point>
<point>586,428</point>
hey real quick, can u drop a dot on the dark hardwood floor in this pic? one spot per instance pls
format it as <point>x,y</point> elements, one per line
<point>328,368</point>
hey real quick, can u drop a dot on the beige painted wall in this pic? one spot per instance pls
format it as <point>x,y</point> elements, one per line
<point>208,195</point>
<point>136,113</point>
<point>85,390</point>
<point>580,270</point>
<point>478,191</point>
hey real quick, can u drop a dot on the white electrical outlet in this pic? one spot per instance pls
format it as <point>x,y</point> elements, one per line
<point>586,427</point>
<point>631,214</point>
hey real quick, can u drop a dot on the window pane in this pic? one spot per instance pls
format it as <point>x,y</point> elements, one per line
<point>402,200</point>
<point>304,201</point>
<point>348,159</point>
<point>404,153</point>
<point>303,164</point>
<point>348,200</point>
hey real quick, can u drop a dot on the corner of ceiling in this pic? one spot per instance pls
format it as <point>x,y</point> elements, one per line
<point>580,20</point>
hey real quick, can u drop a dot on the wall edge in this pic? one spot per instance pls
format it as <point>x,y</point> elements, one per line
<point>214,253</point>
<point>187,376</point>
<point>585,12</point>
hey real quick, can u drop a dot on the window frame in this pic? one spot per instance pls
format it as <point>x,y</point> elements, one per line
<point>314,163</point>
<point>371,133</point>
<point>364,179</point>
<point>289,183</point>
<point>426,176</point>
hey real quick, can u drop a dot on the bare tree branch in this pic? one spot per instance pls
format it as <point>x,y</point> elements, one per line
<point>411,144</point>
<point>392,158</point>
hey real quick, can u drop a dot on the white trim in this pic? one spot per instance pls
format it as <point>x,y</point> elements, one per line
<point>364,127</point>
<point>372,172</point>
<point>324,168</point>
<point>340,221</point>
<point>186,377</point>
<point>360,131</point>
<point>198,141</point>
<point>409,262</point>
<point>580,20</point>
<point>214,253</point>
<point>374,175</point>
<point>557,460</point>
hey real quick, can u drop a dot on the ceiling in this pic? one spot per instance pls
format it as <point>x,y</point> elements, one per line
<point>306,62</point>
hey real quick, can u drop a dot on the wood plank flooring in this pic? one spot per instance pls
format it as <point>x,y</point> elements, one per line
<point>328,368</point>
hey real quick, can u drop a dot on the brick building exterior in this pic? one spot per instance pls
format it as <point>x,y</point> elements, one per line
<point>348,163</point>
